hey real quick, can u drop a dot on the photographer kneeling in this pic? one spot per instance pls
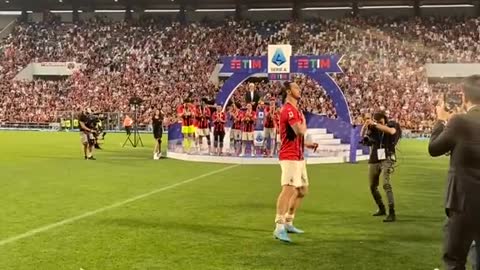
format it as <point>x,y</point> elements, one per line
<point>382,136</point>
<point>87,133</point>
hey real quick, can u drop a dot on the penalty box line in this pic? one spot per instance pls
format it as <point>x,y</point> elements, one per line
<point>106,208</point>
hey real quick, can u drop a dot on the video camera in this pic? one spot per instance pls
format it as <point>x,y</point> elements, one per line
<point>94,122</point>
<point>93,119</point>
<point>453,101</point>
<point>370,137</point>
<point>368,140</point>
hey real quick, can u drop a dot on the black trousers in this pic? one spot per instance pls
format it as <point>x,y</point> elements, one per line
<point>461,230</point>
<point>218,139</point>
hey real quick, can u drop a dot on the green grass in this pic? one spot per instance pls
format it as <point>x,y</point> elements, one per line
<point>222,221</point>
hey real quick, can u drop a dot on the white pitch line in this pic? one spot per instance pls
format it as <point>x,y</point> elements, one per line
<point>103,209</point>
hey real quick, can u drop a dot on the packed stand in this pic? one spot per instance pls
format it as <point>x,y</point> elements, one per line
<point>163,63</point>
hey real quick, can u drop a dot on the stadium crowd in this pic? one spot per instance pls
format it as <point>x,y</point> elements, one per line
<point>164,62</point>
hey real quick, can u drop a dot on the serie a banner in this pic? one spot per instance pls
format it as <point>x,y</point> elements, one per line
<point>280,56</point>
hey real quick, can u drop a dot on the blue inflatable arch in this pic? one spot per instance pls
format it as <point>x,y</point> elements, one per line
<point>323,79</point>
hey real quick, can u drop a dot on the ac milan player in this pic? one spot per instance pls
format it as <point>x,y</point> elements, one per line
<point>219,121</point>
<point>236,131</point>
<point>186,112</point>
<point>248,134</point>
<point>203,125</point>
<point>269,129</point>
<point>294,171</point>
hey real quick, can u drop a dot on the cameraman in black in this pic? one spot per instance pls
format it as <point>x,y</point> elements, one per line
<point>157,125</point>
<point>382,136</point>
<point>87,132</point>
<point>98,122</point>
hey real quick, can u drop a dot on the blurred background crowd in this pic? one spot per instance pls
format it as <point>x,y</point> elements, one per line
<point>164,62</point>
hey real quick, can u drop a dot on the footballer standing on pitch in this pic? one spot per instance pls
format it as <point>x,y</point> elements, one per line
<point>203,126</point>
<point>236,131</point>
<point>294,180</point>
<point>186,113</point>
<point>249,117</point>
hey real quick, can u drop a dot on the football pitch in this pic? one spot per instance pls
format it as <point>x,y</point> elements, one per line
<point>127,211</point>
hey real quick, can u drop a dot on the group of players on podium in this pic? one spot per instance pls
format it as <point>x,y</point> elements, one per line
<point>197,119</point>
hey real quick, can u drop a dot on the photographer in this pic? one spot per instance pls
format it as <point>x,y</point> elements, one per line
<point>98,126</point>
<point>382,135</point>
<point>460,138</point>
<point>87,133</point>
<point>157,124</point>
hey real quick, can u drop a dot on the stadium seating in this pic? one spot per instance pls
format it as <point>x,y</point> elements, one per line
<point>164,62</point>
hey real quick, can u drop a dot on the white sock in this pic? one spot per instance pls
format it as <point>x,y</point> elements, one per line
<point>89,155</point>
<point>289,219</point>
<point>280,222</point>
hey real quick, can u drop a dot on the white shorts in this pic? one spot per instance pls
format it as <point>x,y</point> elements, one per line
<point>83,137</point>
<point>294,173</point>
<point>202,132</point>
<point>269,133</point>
<point>248,136</point>
<point>236,134</point>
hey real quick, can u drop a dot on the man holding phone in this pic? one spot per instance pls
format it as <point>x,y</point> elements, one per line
<point>460,138</point>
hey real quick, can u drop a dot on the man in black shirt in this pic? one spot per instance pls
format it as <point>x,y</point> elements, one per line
<point>382,135</point>
<point>87,131</point>
<point>157,125</point>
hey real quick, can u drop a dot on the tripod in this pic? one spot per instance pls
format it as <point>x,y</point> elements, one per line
<point>136,135</point>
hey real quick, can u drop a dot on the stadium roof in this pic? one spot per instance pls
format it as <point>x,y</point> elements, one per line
<point>88,5</point>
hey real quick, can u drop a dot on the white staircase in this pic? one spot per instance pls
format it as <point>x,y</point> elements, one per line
<point>328,145</point>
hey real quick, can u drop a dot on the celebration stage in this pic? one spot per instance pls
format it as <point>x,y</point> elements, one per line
<point>330,150</point>
<point>337,138</point>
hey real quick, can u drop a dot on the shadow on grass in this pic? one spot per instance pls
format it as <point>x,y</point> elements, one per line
<point>249,231</point>
<point>201,228</point>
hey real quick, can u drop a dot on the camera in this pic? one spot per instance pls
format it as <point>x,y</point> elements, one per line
<point>93,122</point>
<point>135,101</point>
<point>368,139</point>
<point>453,101</point>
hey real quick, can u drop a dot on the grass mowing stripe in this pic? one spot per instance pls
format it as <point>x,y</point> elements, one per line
<point>112,206</point>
